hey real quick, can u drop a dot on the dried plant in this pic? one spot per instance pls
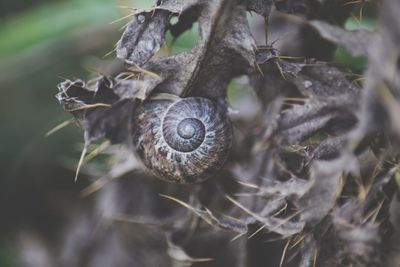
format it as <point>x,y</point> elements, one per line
<point>310,180</point>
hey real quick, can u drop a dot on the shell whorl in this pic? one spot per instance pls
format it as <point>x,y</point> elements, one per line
<point>182,140</point>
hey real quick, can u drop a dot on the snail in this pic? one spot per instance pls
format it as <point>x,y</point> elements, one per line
<point>181,140</point>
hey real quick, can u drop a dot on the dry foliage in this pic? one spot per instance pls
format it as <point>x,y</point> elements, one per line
<point>310,181</point>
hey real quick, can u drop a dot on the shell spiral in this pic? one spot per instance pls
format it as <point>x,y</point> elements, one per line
<point>182,140</point>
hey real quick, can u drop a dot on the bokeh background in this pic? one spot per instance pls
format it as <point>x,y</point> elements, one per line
<point>43,42</point>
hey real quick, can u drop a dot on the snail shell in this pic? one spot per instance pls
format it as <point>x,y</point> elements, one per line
<point>182,140</point>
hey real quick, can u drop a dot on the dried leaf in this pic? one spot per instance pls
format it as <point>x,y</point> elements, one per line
<point>355,42</point>
<point>360,241</point>
<point>143,37</point>
<point>262,7</point>
<point>325,187</point>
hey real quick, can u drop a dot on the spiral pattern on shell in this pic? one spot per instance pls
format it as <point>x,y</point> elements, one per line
<point>182,140</point>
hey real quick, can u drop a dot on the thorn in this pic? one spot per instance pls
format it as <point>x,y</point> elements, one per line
<point>248,184</point>
<point>177,201</point>
<point>85,106</point>
<point>237,237</point>
<point>59,127</point>
<point>97,151</point>
<point>259,69</point>
<point>120,19</point>
<point>144,71</point>
<point>95,186</point>
<point>284,252</point>
<point>108,53</point>
<point>84,150</point>
<point>257,231</point>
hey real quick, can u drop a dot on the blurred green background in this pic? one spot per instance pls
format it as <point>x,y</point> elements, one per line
<point>42,42</point>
